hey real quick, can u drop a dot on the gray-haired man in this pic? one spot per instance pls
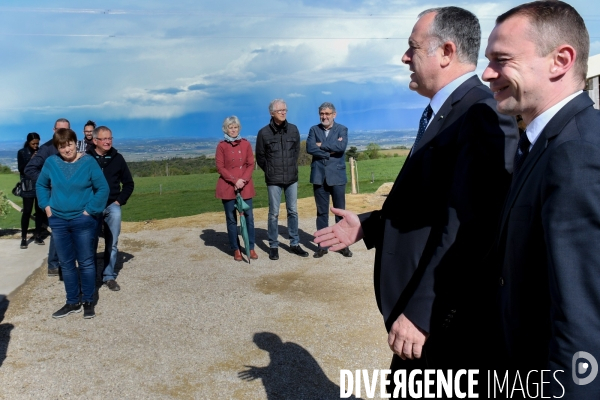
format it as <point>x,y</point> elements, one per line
<point>327,143</point>
<point>277,151</point>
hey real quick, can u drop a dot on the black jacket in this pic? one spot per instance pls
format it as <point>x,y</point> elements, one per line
<point>23,157</point>
<point>116,172</point>
<point>277,150</point>
<point>34,166</point>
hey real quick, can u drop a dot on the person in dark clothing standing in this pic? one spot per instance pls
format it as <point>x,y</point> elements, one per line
<point>277,151</point>
<point>87,143</point>
<point>28,194</point>
<point>117,175</point>
<point>33,170</point>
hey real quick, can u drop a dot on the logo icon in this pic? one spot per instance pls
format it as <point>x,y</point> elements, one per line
<point>581,367</point>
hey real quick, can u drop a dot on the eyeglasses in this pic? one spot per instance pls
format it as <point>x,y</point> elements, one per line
<point>106,139</point>
<point>325,114</point>
<point>88,131</point>
<point>280,111</point>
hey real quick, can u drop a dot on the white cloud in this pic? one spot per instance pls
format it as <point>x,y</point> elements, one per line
<point>133,59</point>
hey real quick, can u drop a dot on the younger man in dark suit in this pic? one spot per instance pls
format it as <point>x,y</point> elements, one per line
<point>327,143</point>
<point>549,281</point>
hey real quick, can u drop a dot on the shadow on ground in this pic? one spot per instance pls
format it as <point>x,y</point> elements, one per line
<point>219,239</point>
<point>122,258</point>
<point>5,330</point>
<point>292,372</point>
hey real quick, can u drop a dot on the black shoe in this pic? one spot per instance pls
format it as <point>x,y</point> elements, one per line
<point>345,252</point>
<point>320,253</point>
<point>88,310</point>
<point>52,271</point>
<point>273,253</point>
<point>23,243</point>
<point>66,310</point>
<point>113,285</point>
<point>38,240</point>
<point>298,250</point>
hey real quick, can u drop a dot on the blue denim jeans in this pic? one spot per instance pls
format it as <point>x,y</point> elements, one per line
<point>322,193</point>
<point>231,219</point>
<point>111,219</point>
<point>74,240</point>
<point>291,204</point>
<point>52,256</point>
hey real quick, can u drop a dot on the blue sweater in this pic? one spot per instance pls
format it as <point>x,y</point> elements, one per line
<point>72,188</point>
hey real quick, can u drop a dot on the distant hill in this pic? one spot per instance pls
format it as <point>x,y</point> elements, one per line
<point>174,166</point>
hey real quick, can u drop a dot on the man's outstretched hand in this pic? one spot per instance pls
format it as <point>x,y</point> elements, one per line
<point>346,232</point>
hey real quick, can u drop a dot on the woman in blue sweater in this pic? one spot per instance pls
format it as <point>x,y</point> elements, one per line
<point>71,189</point>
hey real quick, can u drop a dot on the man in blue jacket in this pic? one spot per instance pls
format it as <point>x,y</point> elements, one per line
<point>327,143</point>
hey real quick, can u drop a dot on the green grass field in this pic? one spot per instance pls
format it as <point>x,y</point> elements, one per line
<point>184,195</point>
<point>13,219</point>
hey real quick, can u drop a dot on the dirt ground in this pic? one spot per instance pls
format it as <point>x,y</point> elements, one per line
<point>190,323</point>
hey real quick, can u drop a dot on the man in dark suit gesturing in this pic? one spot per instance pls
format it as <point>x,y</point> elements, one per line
<point>441,214</point>
<point>327,143</point>
<point>549,284</point>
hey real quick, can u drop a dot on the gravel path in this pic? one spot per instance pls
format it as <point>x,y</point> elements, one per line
<point>191,323</point>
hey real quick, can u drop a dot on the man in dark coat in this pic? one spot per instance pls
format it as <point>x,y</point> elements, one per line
<point>277,151</point>
<point>32,171</point>
<point>327,143</point>
<point>549,276</point>
<point>440,217</point>
<point>117,175</point>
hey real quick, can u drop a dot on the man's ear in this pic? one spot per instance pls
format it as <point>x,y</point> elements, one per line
<point>448,53</point>
<point>563,59</point>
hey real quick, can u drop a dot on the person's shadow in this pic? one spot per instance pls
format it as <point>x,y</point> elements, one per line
<point>122,258</point>
<point>293,373</point>
<point>5,330</point>
<point>220,240</point>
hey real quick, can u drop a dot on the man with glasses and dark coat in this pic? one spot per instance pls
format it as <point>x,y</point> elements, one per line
<point>327,143</point>
<point>277,151</point>
<point>117,175</point>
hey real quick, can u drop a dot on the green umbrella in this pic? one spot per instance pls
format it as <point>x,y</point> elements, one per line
<point>241,206</point>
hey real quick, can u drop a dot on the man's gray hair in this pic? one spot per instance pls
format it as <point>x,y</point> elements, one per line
<point>272,104</point>
<point>326,105</point>
<point>99,129</point>
<point>62,120</point>
<point>233,120</point>
<point>459,26</point>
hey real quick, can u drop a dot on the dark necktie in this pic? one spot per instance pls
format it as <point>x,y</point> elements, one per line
<point>423,123</point>
<point>522,151</point>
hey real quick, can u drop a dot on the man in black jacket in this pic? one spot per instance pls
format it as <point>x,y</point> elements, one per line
<point>117,173</point>
<point>32,171</point>
<point>277,150</point>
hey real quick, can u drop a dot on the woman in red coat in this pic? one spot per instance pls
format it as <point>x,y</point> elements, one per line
<point>235,163</point>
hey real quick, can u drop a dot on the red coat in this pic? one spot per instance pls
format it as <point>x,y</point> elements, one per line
<point>234,161</point>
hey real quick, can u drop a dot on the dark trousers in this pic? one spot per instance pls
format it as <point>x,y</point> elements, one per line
<point>231,219</point>
<point>322,193</point>
<point>28,204</point>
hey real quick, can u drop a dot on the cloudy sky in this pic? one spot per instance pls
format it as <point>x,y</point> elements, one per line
<point>158,68</point>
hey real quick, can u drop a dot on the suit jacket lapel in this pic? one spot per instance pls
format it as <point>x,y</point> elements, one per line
<point>550,131</point>
<point>435,126</point>
<point>331,133</point>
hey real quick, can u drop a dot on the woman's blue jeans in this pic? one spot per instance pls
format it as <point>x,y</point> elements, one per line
<point>74,240</point>
<point>231,219</point>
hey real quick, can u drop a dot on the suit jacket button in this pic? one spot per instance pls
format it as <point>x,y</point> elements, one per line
<point>501,281</point>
